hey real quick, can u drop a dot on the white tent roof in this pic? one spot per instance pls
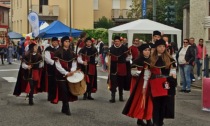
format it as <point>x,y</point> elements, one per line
<point>144,26</point>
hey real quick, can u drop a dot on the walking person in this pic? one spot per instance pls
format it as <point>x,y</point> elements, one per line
<point>49,68</point>
<point>185,58</point>
<point>200,57</point>
<point>66,65</point>
<point>86,58</point>
<point>118,72</point>
<point>10,52</point>
<point>139,104</point>
<point>29,75</point>
<point>162,82</point>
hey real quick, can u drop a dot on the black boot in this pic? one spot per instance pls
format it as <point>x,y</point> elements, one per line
<point>112,100</point>
<point>85,96</point>
<point>121,96</point>
<point>149,123</point>
<point>140,122</point>
<point>31,102</point>
<point>89,96</point>
<point>66,109</point>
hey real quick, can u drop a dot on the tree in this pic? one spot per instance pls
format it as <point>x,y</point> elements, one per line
<point>104,23</point>
<point>135,11</point>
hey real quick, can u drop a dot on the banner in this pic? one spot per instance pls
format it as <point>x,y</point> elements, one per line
<point>33,19</point>
<point>144,8</point>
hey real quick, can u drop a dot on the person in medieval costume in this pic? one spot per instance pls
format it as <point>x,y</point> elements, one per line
<point>118,55</point>
<point>139,104</point>
<point>29,75</point>
<point>49,68</point>
<point>87,57</point>
<point>66,65</point>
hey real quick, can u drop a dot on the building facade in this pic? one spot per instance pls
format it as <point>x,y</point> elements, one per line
<point>83,13</point>
<point>193,19</point>
<point>50,10</point>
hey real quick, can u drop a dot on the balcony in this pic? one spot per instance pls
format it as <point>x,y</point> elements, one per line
<point>46,12</point>
<point>121,15</point>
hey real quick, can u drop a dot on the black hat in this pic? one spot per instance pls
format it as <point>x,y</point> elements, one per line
<point>160,42</point>
<point>88,38</point>
<point>152,45</point>
<point>156,33</point>
<point>64,38</point>
<point>117,37</point>
<point>31,46</point>
<point>143,47</point>
<point>54,39</point>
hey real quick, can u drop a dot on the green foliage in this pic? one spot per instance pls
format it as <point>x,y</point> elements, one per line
<point>104,23</point>
<point>98,33</point>
<point>135,11</point>
<point>160,11</point>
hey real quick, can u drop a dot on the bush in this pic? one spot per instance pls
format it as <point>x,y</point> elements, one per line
<point>98,33</point>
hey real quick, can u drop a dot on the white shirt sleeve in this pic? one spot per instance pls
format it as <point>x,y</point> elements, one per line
<point>172,71</point>
<point>41,64</point>
<point>24,66</point>
<point>147,74</point>
<point>60,68</point>
<point>26,48</point>
<point>47,58</point>
<point>74,66</point>
<point>79,59</point>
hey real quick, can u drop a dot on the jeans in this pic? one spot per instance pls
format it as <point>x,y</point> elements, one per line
<point>199,64</point>
<point>185,76</point>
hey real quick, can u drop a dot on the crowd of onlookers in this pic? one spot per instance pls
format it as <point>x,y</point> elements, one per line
<point>189,57</point>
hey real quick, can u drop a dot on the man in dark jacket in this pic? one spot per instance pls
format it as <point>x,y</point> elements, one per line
<point>193,45</point>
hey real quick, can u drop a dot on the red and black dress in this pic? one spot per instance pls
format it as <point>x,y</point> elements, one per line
<point>138,105</point>
<point>162,90</point>
<point>89,54</point>
<point>49,72</point>
<point>118,71</point>
<point>64,62</point>
<point>134,52</point>
<point>29,79</point>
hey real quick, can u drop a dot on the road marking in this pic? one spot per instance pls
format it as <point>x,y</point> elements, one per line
<point>5,70</point>
<point>103,77</point>
<point>10,79</point>
<point>15,63</point>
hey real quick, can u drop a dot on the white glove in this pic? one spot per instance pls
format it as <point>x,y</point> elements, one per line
<point>135,72</point>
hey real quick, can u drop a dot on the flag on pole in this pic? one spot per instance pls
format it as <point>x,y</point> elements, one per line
<point>33,19</point>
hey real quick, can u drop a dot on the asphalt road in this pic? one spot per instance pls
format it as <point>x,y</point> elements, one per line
<point>15,111</point>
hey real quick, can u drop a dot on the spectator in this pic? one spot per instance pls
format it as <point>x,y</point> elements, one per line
<point>104,54</point>
<point>200,57</point>
<point>134,49</point>
<point>2,55</point>
<point>101,45</point>
<point>185,58</point>
<point>10,52</point>
<point>192,43</point>
<point>18,50</point>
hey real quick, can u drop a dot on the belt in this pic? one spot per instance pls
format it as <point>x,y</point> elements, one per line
<point>154,76</point>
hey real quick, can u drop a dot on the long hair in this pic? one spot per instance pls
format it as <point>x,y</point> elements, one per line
<point>165,57</point>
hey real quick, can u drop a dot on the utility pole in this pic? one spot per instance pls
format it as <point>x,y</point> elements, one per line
<point>70,18</point>
<point>154,9</point>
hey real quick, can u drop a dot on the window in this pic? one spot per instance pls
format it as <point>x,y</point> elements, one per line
<point>95,4</point>
<point>128,4</point>
<point>2,17</point>
<point>20,26</point>
<point>42,2</point>
<point>115,4</point>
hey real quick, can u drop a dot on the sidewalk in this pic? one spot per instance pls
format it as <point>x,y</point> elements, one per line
<point>197,84</point>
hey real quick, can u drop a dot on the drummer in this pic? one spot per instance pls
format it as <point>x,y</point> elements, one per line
<point>65,62</point>
<point>87,59</point>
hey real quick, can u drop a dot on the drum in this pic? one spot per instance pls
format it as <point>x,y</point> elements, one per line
<point>76,83</point>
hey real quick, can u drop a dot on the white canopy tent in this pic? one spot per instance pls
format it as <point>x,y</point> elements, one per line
<point>143,26</point>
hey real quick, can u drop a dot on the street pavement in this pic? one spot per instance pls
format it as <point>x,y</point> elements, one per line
<point>15,111</point>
